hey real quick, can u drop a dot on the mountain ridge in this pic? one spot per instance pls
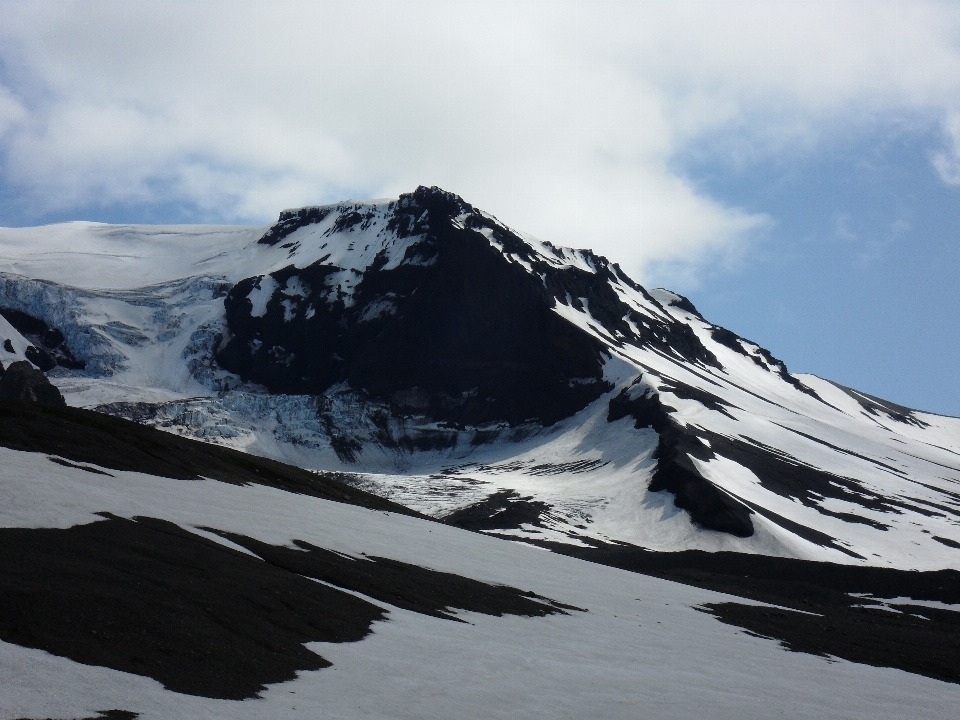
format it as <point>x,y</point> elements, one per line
<point>455,365</point>
<point>528,485</point>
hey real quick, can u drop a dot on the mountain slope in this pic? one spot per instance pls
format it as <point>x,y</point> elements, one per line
<point>470,372</point>
<point>161,597</point>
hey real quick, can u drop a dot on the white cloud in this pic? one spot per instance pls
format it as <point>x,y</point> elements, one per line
<point>947,162</point>
<point>561,118</point>
<point>12,113</point>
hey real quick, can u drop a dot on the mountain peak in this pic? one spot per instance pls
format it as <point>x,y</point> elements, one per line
<point>428,304</point>
<point>436,199</point>
<point>536,388</point>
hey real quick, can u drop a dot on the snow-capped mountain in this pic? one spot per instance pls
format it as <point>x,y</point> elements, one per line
<point>440,384</point>
<point>463,369</point>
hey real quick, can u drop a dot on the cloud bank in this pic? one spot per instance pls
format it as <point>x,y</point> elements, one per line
<point>565,120</point>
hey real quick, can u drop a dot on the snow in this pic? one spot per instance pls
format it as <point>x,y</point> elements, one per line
<point>641,646</point>
<point>295,287</point>
<point>18,343</point>
<point>261,294</point>
<point>113,257</point>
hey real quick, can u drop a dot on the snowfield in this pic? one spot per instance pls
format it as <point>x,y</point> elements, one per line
<point>639,646</point>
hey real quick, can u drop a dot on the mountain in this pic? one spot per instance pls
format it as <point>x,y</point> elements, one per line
<point>386,393</point>
<point>468,371</point>
<point>147,575</point>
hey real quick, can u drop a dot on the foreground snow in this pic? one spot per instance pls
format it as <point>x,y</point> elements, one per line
<point>640,648</point>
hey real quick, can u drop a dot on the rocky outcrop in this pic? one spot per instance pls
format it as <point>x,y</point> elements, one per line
<point>453,318</point>
<point>709,506</point>
<point>22,381</point>
<point>49,347</point>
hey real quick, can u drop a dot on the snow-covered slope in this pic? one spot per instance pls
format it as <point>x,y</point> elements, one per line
<point>471,372</point>
<point>14,346</point>
<point>128,593</point>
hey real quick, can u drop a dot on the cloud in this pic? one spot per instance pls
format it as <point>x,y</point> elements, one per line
<point>947,161</point>
<point>12,113</point>
<point>564,119</point>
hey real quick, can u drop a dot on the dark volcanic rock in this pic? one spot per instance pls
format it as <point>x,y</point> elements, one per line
<point>468,338</point>
<point>504,510</point>
<point>785,475</point>
<point>461,330</point>
<point>776,470</point>
<point>708,506</point>
<point>684,303</point>
<point>49,344</point>
<point>761,356</point>
<point>147,597</point>
<point>150,598</point>
<point>839,615</point>
<point>877,406</point>
<point>421,590</point>
<point>83,437</point>
<point>40,357</point>
<point>292,220</point>
<point>22,381</point>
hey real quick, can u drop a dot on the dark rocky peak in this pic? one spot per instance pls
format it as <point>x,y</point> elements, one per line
<point>291,220</point>
<point>760,356</point>
<point>22,381</point>
<point>580,278</point>
<point>413,212</point>
<point>438,309</point>
<point>455,332</point>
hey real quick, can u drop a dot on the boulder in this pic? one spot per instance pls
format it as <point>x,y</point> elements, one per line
<point>22,381</point>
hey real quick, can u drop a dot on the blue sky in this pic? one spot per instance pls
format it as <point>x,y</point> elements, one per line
<point>792,167</point>
<point>858,278</point>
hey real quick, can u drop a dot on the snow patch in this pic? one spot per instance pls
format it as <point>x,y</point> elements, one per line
<point>261,294</point>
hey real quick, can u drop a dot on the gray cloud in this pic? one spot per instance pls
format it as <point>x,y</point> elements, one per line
<point>561,118</point>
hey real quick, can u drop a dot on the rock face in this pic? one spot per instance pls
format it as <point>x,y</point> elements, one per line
<point>22,381</point>
<point>708,505</point>
<point>49,347</point>
<point>449,315</point>
<point>430,311</point>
